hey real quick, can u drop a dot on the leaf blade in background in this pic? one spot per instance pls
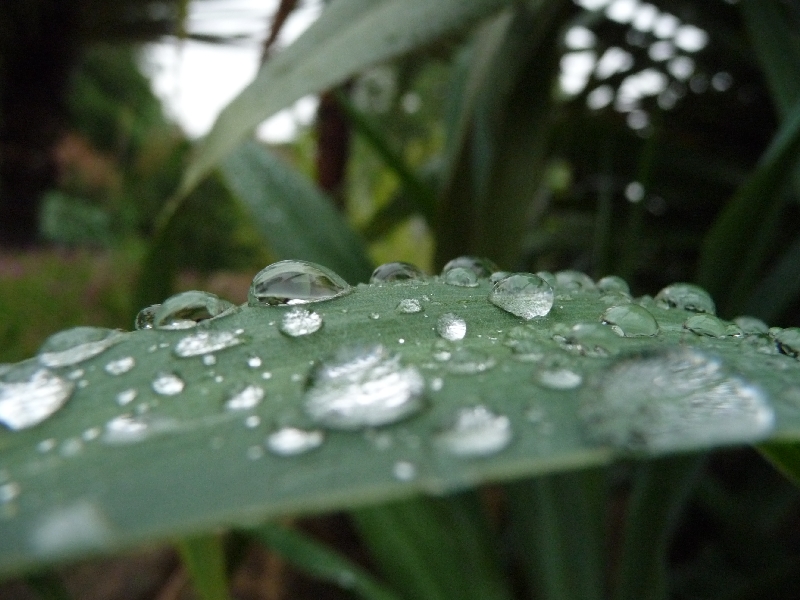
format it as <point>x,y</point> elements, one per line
<point>350,35</point>
<point>204,559</point>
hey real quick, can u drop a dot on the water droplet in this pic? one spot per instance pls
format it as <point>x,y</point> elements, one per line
<point>291,441</point>
<point>245,398</point>
<point>469,361</point>
<point>788,341</point>
<point>127,396</point>
<point>71,447</point>
<point>409,306</point>
<point>374,316</point>
<point>252,421</point>
<point>612,283</point>
<point>524,295</point>
<point>437,383</point>
<point>205,342</point>
<point>705,324</point>
<point>560,378</point>
<point>404,470</point>
<point>396,271</point>
<point>630,320</point>
<point>686,296</point>
<point>477,431</point>
<point>460,277</point>
<point>91,434</point>
<point>481,267</point>
<point>209,360</point>
<point>587,339</point>
<point>266,375</point>
<point>751,325</point>
<point>76,374</point>
<point>299,321</point>
<point>9,491</point>
<point>681,399</point>
<point>76,345</point>
<point>498,275</point>
<point>46,445</point>
<point>451,327</point>
<point>361,387</point>
<point>77,527</point>
<point>295,282</point>
<point>254,362</point>
<point>29,394</point>
<point>120,365</point>
<point>255,452</point>
<point>548,277</point>
<point>186,309</point>
<point>574,281</point>
<point>144,319</point>
<point>168,384</point>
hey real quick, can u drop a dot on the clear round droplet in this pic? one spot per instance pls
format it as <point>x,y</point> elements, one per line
<point>751,325</point>
<point>291,441</point>
<point>295,282</point>
<point>168,384</point>
<point>245,398</point>
<point>574,281</point>
<point>705,324</point>
<point>675,400</point>
<point>481,267</point>
<point>120,365</point>
<point>409,306</point>
<point>144,319</point>
<point>396,271</point>
<point>686,296</point>
<point>630,320</point>
<point>76,345</point>
<point>186,309</point>
<point>476,431</point>
<point>362,387</point>
<point>205,342</point>
<point>298,322</point>
<point>30,393</point>
<point>254,362</point>
<point>125,397</point>
<point>524,295</point>
<point>451,327</point>
<point>460,277</point>
<point>613,283</point>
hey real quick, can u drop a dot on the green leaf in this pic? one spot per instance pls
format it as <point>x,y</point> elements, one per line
<point>295,218</point>
<point>108,471</point>
<point>349,36</point>
<point>204,559</point>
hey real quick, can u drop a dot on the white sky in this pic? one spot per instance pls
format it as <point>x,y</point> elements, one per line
<point>196,80</point>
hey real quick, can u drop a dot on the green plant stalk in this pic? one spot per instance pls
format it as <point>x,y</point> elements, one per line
<point>557,522</point>
<point>659,491</point>
<point>321,562</point>
<point>204,559</point>
<point>48,586</point>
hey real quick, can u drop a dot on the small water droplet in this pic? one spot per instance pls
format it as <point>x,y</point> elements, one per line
<point>252,421</point>
<point>574,281</point>
<point>437,383</point>
<point>751,325</point>
<point>586,339</point>
<point>29,394</point>
<point>396,271</point>
<point>9,491</point>
<point>477,431</point>
<point>481,267</point>
<point>205,342</point>
<point>630,320</point>
<point>451,327</point>
<point>266,375</point>
<point>126,396</point>
<point>120,365</point>
<point>362,387</point>
<point>295,282</point>
<point>91,434</point>
<point>409,306</point>
<point>209,360</point>
<point>403,470</point>
<point>686,296</point>
<point>788,341</point>
<point>168,384</point>
<point>245,398</point>
<point>255,452</point>
<point>560,378</point>
<point>254,362</point>
<point>469,361</point>
<point>291,441</point>
<point>460,277</point>
<point>76,374</point>
<point>374,316</point>
<point>75,345</point>
<point>71,447</point>
<point>524,295</point>
<point>298,322</point>
<point>613,283</point>
<point>680,399</point>
<point>145,317</point>
<point>46,445</point>
<point>186,309</point>
<point>705,324</point>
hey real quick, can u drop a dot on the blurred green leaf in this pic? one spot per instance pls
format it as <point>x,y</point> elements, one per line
<point>204,559</point>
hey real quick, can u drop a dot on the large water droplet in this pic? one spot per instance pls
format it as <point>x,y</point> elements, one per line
<point>29,394</point>
<point>295,282</point>
<point>788,341</point>
<point>460,277</point>
<point>409,306</point>
<point>481,267</point>
<point>299,321</point>
<point>396,271</point>
<point>186,309</point>
<point>524,295</point>
<point>168,384</point>
<point>705,324</point>
<point>686,296</point>
<point>751,325</point>
<point>362,387</point>
<point>613,283</point>
<point>681,399</point>
<point>477,431</point>
<point>574,281</point>
<point>205,342</point>
<point>291,441</point>
<point>120,365</point>
<point>75,345</point>
<point>245,398</point>
<point>630,320</point>
<point>451,327</point>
